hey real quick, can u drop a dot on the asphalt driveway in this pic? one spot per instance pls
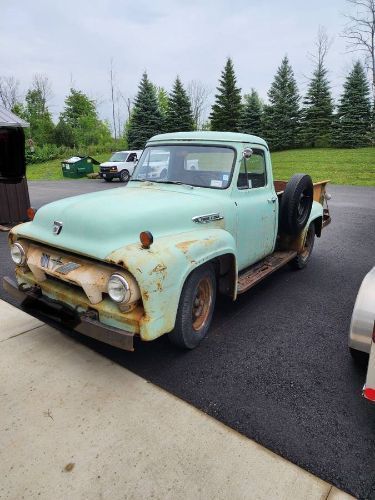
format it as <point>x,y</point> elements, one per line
<point>275,366</point>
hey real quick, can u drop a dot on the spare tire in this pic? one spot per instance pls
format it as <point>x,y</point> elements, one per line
<point>296,203</point>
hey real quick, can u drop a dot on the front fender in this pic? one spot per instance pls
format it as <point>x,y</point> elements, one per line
<point>162,270</point>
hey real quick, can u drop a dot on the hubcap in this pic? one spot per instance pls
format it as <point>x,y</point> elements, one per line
<point>201,304</point>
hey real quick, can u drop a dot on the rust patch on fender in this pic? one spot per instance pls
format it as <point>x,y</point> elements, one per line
<point>160,268</point>
<point>184,245</point>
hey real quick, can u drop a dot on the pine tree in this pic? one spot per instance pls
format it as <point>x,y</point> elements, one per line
<point>281,118</point>
<point>179,117</point>
<point>226,112</point>
<point>251,115</point>
<point>317,115</point>
<point>146,119</point>
<point>354,111</point>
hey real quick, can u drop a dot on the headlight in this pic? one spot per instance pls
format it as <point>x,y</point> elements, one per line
<point>118,289</point>
<point>18,254</point>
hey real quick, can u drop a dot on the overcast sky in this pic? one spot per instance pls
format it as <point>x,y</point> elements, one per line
<point>73,41</point>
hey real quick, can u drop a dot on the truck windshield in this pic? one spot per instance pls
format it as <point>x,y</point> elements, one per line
<point>118,157</point>
<point>203,166</point>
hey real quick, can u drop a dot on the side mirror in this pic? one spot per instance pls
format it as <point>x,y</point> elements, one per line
<point>247,153</point>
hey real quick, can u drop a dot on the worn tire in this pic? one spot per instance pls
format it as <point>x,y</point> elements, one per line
<point>296,203</point>
<point>124,176</point>
<point>301,260</point>
<point>191,327</point>
<point>360,358</point>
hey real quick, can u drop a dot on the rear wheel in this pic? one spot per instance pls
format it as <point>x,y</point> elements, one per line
<point>124,176</point>
<point>301,260</point>
<point>296,203</point>
<point>195,309</point>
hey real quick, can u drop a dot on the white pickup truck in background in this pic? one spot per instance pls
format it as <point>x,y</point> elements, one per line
<point>120,165</point>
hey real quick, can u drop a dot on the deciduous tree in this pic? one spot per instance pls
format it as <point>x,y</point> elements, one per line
<point>198,94</point>
<point>81,117</point>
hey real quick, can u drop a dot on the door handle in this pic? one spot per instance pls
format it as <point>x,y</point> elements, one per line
<point>272,200</point>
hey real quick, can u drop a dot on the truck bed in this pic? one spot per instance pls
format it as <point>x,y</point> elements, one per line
<point>319,196</point>
<point>319,189</point>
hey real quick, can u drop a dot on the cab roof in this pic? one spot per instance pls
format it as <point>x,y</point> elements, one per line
<point>203,135</point>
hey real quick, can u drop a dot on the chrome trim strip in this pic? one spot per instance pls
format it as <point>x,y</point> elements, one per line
<point>206,218</point>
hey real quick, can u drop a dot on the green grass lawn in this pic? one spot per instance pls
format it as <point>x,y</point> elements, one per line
<point>51,170</point>
<point>341,166</point>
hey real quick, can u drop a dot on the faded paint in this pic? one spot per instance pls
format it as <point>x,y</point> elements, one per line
<point>161,297</point>
<point>180,245</point>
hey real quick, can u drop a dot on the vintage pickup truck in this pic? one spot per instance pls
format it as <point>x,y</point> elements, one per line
<point>148,259</point>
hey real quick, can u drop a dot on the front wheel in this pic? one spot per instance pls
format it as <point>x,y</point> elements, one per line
<point>301,260</point>
<point>196,307</point>
<point>124,176</point>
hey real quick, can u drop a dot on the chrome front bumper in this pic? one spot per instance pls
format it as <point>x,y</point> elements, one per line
<point>33,301</point>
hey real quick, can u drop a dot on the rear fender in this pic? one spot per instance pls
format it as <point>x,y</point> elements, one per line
<point>316,216</point>
<point>296,243</point>
<point>162,270</point>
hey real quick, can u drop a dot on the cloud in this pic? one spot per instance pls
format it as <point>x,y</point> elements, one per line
<point>74,41</point>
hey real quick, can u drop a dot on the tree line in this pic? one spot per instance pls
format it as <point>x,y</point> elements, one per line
<point>287,120</point>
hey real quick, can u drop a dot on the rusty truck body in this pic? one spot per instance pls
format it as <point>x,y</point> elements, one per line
<point>149,258</point>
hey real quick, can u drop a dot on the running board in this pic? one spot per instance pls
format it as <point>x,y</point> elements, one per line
<point>257,272</point>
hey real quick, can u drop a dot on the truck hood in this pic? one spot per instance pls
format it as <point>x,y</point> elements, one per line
<point>99,223</point>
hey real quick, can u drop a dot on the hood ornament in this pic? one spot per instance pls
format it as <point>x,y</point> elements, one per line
<point>57,227</point>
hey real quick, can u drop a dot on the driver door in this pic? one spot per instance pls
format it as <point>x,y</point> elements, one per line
<point>256,202</point>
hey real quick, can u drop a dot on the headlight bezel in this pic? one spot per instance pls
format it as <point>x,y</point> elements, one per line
<point>22,252</point>
<point>125,298</point>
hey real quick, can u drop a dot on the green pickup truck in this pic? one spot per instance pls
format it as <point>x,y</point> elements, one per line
<point>149,258</point>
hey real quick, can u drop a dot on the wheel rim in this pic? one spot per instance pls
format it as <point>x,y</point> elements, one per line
<point>303,205</point>
<point>201,304</point>
<point>124,176</point>
<point>307,244</point>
